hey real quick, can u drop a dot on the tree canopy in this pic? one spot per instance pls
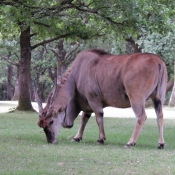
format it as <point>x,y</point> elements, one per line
<point>74,18</point>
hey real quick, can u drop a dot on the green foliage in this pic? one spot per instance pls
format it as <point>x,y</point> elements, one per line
<point>3,79</point>
<point>85,18</point>
<point>107,43</point>
<point>94,24</point>
<point>163,45</point>
<point>9,50</point>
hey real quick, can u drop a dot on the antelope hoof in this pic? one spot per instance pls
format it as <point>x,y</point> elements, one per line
<point>160,146</point>
<point>129,145</point>
<point>100,142</point>
<point>76,139</point>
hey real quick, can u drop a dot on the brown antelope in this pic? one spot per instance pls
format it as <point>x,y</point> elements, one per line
<point>97,79</point>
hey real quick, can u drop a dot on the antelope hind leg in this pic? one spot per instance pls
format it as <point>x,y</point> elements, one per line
<point>140,120</point>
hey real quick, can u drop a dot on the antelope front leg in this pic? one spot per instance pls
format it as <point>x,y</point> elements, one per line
<point>97,107</point>
<point>84,119</point>
<point>99,119</point>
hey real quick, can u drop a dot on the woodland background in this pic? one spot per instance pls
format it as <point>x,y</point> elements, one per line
<point>39,39</point>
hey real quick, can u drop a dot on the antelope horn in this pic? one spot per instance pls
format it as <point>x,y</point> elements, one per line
<point>38,100</point>
<point>51,99</point>
<point>54,92</point>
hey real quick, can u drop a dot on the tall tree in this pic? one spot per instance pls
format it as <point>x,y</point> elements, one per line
<point>46,21</point>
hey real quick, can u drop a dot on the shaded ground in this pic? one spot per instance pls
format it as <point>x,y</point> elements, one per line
<point>169,113</point>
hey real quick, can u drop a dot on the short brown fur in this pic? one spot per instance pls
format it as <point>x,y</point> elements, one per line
<point>98,79</point>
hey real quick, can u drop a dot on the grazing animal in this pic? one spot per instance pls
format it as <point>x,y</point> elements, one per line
<point>97,79</point>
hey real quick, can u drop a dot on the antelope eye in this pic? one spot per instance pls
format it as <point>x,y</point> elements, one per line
<point>51,122</point>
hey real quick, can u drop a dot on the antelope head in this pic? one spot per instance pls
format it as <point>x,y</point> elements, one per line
<point>48,118</point>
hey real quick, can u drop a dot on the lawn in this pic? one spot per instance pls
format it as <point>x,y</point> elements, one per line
<point>24,151</point>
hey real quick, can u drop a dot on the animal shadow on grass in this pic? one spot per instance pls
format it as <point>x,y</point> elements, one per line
<point>109,142</point>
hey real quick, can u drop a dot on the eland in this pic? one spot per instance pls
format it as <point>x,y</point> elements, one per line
<point>97,79</point>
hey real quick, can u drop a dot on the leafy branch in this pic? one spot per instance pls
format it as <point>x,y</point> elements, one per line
<point>49,40</point>
<point>72,51</point>
<point>8,60</point>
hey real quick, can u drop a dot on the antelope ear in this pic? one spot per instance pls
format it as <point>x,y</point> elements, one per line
<point>40,123</point>
<point>55,113</point>
<point>60,109</point>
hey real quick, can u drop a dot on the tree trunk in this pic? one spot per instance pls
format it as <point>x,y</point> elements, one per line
<point>32,95</point>
<point>3,95</point>
<point>16,93</point>
<point>170,85</point>
<point>9,83</point>
<point>53,74</point>
<point>134,45</point>
<point>24,102</point>
<point>172,98</point>
<point>61,53</point>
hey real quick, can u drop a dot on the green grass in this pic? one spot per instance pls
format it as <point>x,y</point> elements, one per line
<point>24,151</point>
